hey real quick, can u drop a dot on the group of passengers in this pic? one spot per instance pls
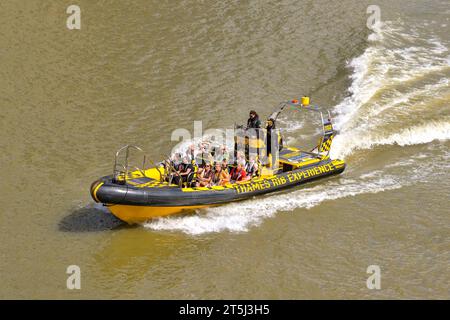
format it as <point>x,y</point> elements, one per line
<point>204,169</point>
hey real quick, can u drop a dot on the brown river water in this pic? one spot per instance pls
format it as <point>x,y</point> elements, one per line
<point>137,70</point>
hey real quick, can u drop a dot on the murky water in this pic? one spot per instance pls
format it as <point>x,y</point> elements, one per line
<point>138,70</point>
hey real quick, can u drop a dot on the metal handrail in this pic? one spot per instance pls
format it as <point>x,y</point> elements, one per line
<point>161,177</point>
<point>124,167</point>
<point>172,169</point>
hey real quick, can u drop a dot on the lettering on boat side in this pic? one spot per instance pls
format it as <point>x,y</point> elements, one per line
<point>287,179</point>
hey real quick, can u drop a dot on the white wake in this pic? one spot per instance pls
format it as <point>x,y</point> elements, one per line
<point>238,217</point>
<point>378,110</point>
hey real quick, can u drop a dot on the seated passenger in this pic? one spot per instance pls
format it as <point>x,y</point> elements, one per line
<point>172,166</point>
<point>185,172</point>
<point>187,169</point>
<point>176,161</point>
<point>199,162</point>
<point>251,168</point>
<point>238,173</point>
<point>220,176</point>
<point>205,176</point>
<point>225,166</point>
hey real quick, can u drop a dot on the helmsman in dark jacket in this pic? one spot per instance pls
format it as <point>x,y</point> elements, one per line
<point>253,121</point>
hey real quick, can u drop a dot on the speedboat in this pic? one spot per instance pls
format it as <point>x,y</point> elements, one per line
<point>137,194</point>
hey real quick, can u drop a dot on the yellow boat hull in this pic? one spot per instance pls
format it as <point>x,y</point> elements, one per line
<point>141,198</point>
<point>140,214</point>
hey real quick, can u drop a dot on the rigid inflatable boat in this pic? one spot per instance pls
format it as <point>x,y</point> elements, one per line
<point>137,194</point>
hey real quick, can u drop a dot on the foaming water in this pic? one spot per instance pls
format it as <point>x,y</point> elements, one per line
<point>393,85</point>
<point>240,216</point>
<point>346,143</point>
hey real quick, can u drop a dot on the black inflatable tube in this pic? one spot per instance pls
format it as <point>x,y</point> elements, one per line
<point>111,193</point>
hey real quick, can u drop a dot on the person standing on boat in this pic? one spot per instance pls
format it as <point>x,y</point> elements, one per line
<point>253,132</point>
<point>253,122</point>
<point>270,129</point>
